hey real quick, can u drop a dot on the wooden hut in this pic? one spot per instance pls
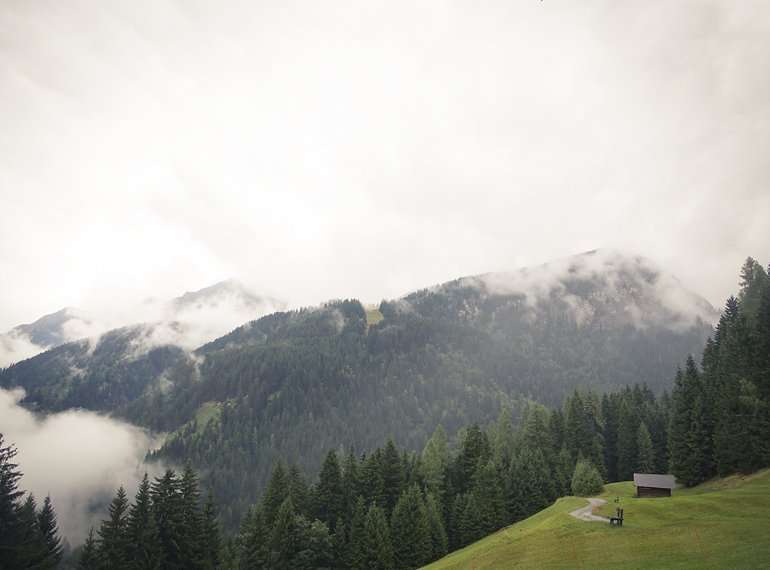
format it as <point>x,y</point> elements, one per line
<point>652,485</point>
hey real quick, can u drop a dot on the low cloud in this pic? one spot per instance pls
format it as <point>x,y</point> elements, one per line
<point>79,458</point>
<point>647,285</point>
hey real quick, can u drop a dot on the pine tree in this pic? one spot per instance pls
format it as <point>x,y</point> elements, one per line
<point>372,485</point>
<point>392,476</point>
<point>470,526</point>
<point>211,541</point>
<point>356,551</point>
<point>89,556</point>
<point>144,548</point>
<point>410,530</point>
<point>475,449</point>
<point>378,550</point>
<point>283,538</point>
<point>191,531</point>
<point>49,532</point>
<point>329,495</point>
<point>586,481</point>
<point>435,459</point>
<point>113,539</point>
<point>438,536</point>
<point>275,494</point>
<point>489,496</point>
<point>168,508</point>
<point>255,538</point>
<point>610,419</point>
<point>628,431</point>
<point>351,483</point>
<point>11,528</point>
<point>645,462</point>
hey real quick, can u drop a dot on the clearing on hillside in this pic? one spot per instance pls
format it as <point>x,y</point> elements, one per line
<point>723,523</point>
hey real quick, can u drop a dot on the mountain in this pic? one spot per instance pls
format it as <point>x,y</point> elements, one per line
<point>294,384</point>
<point>24,341</point>
<point>188,321</point>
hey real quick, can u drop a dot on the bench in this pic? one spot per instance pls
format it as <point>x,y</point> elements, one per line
<point>617,520</point>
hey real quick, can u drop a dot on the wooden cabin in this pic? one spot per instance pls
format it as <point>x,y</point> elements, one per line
<point>652,485</point>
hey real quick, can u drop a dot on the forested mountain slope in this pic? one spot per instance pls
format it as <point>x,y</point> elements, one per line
<point>295,384</point>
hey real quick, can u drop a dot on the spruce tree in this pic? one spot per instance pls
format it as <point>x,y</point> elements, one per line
<point>378,549</point>
<point>113,538</point>
<point>143,542</point>
<point>356,551</point>
<point>435,459</point>
<point>645,462</point>
<point>89,556</point>
<point>489,496</point>
<point>392,471</point>
<point>49,532</point>
<point>11,528</point>
<point>329,495</point>
<point>284,538</point>
<point>438,536</point>
<point>191,531</point>
<point>211,541</point>
<point>628,433</point>
<point>255,539</point>
<point>168,508</point>
<point>410,530</point>
<point>275,494</point>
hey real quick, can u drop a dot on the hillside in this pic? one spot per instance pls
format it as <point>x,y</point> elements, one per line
<point>294,384</point>
<point>719,524</point>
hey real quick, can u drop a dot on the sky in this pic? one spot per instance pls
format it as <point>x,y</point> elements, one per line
<point>318,150</point>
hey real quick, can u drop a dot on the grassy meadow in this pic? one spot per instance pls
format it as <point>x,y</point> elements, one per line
<point>722,524</point>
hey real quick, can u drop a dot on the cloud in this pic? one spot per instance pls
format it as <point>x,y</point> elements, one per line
<point>321,151</point>
<point>80,458</point>
<point>652,295</point>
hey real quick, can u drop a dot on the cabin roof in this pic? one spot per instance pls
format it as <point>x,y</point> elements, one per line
<point>653,480</point>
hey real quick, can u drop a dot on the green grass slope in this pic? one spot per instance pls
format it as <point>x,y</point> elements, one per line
<point>720,524</point>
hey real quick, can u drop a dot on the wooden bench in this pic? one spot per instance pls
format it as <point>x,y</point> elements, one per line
<point>618,520</point>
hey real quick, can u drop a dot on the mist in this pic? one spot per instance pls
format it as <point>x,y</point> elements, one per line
<point>319,151</point>
<point>77,457</point>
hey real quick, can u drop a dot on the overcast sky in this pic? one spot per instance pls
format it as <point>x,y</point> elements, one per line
<point>329,149</point>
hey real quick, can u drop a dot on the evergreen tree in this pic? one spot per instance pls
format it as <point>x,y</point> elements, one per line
<point>144,550</point>
<point>191,531</point>
<point>628,432</point>
<point>329,495</point>
<point>474,450</point>
<point>438,536</point>
<point>276,493</point>
<point>470,525</point>
<point>586,481</point>
<point>392,475</point>
<point>378,549</point>
<point>113,540</point>
<point>255,538</point>
<point>211,542</point>
<point>435,460</point>
<point>11,529</point>
<point>610,418</point>
<point>410,530</point>
<point>49,532</point>
<point>168,508</point>
<point>284,538</point>
<point>489,497</point>
<point>356,552</point>
<point>351,483</point>
<point>645,462</point>
<point>89,556</point>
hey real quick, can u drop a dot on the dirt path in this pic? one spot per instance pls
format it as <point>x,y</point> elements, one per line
<point>586,513</point>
